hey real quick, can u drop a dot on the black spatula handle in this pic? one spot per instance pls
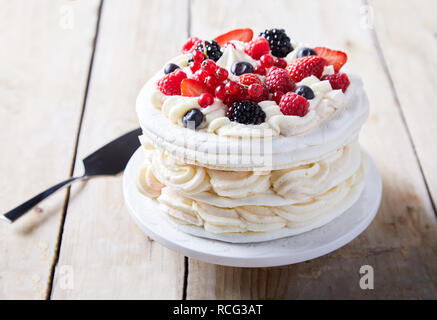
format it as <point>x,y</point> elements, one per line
<point>16,213</point>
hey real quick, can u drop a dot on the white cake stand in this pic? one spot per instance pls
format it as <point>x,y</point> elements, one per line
<point>302,247</point>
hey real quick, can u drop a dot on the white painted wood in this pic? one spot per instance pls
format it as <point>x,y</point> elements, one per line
<point>400,243</point>
<point>45,48</point>
<point>107,254</point>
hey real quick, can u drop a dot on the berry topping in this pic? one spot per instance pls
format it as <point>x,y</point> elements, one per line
<point>280,43</point>
<point>267,60</point>
<point>292,104</point>
<point>246,112</point>
<point>206,99</point>
<point>211,49</point>
<point>248,79</point>
<point>260,70</point>
<point>280,63</point>
<point>242,67</point>
<point>338,81</point>
<point>209,66</point>
<point>278,80</point>
<point>191,44</point>
<point>257,48</point>
<point>333,57</point>
<point>198,56</point>
<point>220,92</point>
<point>170,84</point>
<point>243,35</point>
<point>306,52</point>
<point>232,88</point>
<point>305,92</point>
<point>276,96</point>
<point>302,68</point>
<point>193,88</point>
<point>170,67</point>
<point>193,118</point>
<point>255,90</point>
<point>194,66</point>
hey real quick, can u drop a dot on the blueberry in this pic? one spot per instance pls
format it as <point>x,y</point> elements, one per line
<point>170,67</point>
<point>242,67</point>
<point>305,52</point>
<point>192,115</point>
<point>305,92</point>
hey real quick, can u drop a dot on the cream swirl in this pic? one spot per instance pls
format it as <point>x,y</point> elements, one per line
<point>147,183</point>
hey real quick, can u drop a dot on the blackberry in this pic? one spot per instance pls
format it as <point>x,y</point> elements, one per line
<point>280,43</point>
<point>246,112</point>
<point>211,49</point>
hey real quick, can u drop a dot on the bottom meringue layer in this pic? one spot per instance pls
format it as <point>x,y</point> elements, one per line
<point>301,217</point>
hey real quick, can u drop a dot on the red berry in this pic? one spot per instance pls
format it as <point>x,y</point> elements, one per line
<point>243,35</point>
<point>220,92</point>
<point>193,88</point>
<point>278,80</point>
<point>277,96</point>
<point>267,60</point>
<point>229,100</point>
<point>233,88</point>
<point>211,82</point>
<point>333,57</point>
<point>338,81</point>
<point>191,44</point>
<point>257,47</point>
<point>206,99</point>
<point>198,56</point>
<point>222,74</point>
<point>170,84</point>
<point>194,66</point>
<point>248,79</point>
<point>255,90</point>
<point>292,104</point>
<point>200,75</point>
<point>280,63</point>
<point>209,66</point>
<point>304,67</point>
<point>260,70</point>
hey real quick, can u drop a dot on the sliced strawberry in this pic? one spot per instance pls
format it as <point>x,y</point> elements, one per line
<point>193,88</point>
<point>333,57</point>
<point>244,35</point>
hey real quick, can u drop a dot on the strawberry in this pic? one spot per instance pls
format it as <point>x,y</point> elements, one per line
<point>338,81</point>
<point>304,67</point>
<point>244,35</point>
<point>248,79</point>
<point>257,48</point>
<point>292,104</point>
<point>193,88</point>
<point>170,84</point>
<point>191,44</point>
<point>278,80</point>
<point>333,57</point>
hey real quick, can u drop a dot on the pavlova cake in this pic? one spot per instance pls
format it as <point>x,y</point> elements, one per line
<point>252,138</point>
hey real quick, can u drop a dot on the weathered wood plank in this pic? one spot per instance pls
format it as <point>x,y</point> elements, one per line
<point>45,49</point>
<point>407,34</point>
<point>401,242</point>
<point>102,248</point>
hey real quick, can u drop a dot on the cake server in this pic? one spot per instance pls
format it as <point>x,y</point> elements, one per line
<point>111,159</point>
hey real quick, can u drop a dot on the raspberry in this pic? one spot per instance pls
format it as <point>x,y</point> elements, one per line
<point>338,81</point>
<point>191,43</point>
<point>249,78</point>
<point>257,48</point>
<point>246,112</point>
<point>292,104</point>
<point>302,68</point>
<point>170,84</point>
<point>278,80</point>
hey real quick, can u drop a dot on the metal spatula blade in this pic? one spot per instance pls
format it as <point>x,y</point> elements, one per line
<point>111,159</point>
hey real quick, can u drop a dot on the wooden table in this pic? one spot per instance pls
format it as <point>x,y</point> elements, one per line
<point>69,75</point>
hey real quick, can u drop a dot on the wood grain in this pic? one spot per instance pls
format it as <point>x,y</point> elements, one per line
<point>45,49</point>
<point>409,49</point>
<point>102,248</point>
<point>401,242</point>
